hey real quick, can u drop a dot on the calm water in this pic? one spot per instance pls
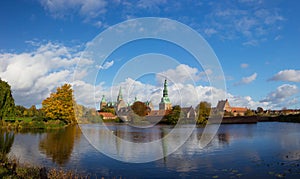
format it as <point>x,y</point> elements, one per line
<point>262,150</point>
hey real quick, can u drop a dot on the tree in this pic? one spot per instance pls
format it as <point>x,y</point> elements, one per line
<point>108,109</point>
<point>60,105</point>
<point>20,110</point>
<point>7,102</point>
<point>140,108</point>
<point>174,115</point>
<point>204,109</point>
<point>259,110</point>
<point>249,112</point>
<point>32,111</point>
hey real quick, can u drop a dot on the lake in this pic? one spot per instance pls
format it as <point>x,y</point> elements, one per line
<point>262,150</point>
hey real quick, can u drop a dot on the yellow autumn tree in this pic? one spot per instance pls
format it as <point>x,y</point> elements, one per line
<point>60,105</point>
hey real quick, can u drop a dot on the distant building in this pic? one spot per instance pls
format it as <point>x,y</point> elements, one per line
<point>119,104</point>
<point>189,112</point>
<point>107,115</point>
<point>224,106</point>
<point>165,107</point>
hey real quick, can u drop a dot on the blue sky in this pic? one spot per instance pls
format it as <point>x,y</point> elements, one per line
<point>257,43</point>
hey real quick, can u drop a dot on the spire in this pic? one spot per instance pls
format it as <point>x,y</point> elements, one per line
<point>120,97</point>
<point>165,91</point>
<point>103,99</point>
<point>165,97</point>
<point>165,103</point>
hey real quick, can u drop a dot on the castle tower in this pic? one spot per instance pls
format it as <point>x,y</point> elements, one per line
<point>120,96</point>
<point>165,103</point>
<point>120,102</point>
<point>103,102</point>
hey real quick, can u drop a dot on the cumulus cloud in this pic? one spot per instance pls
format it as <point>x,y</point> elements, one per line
<point>287,75</point>
<point>33,75</point>
<point>281,95</point>
<point>247,80</point>
<point>183,74</point>
<point>180,94</point>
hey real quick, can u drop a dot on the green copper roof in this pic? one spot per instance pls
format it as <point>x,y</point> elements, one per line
<point>165,98</point>
<point>120,96</point>
<point>103,99</point>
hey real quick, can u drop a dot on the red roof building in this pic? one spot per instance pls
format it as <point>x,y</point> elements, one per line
<point>107,115</point>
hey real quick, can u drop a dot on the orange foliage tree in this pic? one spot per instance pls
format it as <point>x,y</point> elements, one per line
<point>60,105</point>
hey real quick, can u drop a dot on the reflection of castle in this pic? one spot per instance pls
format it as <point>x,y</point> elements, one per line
<point>165,106</point>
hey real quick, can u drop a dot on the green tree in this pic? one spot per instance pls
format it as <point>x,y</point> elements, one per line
<point>108,109</point>
<point>174,115</point>
<point>60,105</point>
<point>204,109</point>
<point>32,111</point>
<point>259,110</point>
<point>20,111</point>
<point>249,112</point>
<point>7,102</point>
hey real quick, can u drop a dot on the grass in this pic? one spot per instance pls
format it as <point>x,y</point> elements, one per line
<point>13,169</point>
<point>19,119</point>
<point>31,123</point>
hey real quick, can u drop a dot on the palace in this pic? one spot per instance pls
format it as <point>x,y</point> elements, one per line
<point>165,107</point>
<point>224,106</point>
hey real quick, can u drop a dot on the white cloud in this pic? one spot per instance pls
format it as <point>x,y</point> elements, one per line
<point>153,4</point>
<point>247,80</point>
<point>180,94</point>
<point>106,65</point>
<point>33,75</point>
<point>210,31</point>
<point>287,75</point>
<point>182,74</point>
<point>62,8</point>
<point>244,65</point>
<point>251,43</point>
<point>281,95</point>
<point>251,23</point>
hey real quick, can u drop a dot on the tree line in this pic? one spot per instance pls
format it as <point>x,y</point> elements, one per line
<point>58,106</point>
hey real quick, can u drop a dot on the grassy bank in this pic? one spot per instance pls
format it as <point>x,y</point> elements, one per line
<point>282,118</point>
<point>13,169</point>
<point>31,123</point>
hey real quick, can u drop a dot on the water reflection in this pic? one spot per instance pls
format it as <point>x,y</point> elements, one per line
<point>136,145</point>
<point>255,150</point>
<point>58,145</point>
<point>6,142</point>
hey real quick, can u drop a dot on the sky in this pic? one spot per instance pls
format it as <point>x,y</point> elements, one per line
<point>256,42</point>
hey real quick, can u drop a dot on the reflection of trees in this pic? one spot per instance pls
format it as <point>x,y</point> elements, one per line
<point>59,144</point>
<point>223,138</point>
<point>6,141</point>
